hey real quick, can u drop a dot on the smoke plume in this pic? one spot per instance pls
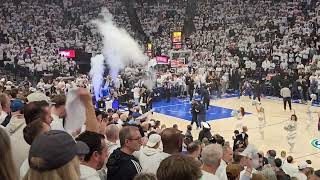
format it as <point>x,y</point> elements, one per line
<point>96,74</point>
<point>119,48</point>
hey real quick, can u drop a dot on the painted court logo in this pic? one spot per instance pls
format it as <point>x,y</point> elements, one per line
<point>316,143</point>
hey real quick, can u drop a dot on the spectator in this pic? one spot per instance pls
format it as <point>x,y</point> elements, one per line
<point>205,132</point>
<point>58,112</point>
<point>5,109</point>
<point>211,157</point>
<point>172,140</point>
<point>96,157</point>
<point>233,171</point>
<point>226,159</point>
<point>7,168</point>
<point>48,160</point>
<point>32,111</point>
<point>194,149</point>
<point>268,173</point>
<point>112,137</point>
<point>122,165</point>
<point>17,121</point>
<point>303,167</point>
<point>289,168</point>
<point>145,176</point>
<point>151,155</point>
<point>188,132</point>
<point>271,155</point>
<point>281,175</point>
<point>258,176</point>
<point>30,132</point>
<point>316,175</point>
<point>185,168</point>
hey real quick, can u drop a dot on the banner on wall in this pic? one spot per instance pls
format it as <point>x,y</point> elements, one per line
<point>162,59</point>
<point>68,53</point>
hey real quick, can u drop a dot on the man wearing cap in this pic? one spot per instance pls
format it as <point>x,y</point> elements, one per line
<point>247,163</point>
<point>301,175</point>
<point>17,121</point>
<point>55,149</point>
<point>150,155</point>
<point>96,157</point>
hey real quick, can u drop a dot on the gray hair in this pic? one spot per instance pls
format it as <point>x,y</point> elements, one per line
<point>212,154</point>
<point>126,133</point>
<point>111,131</point>
<point>268,173</point>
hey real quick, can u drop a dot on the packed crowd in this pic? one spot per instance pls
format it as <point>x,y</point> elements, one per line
<point>33,32</point>
<point>230,45</point>
<point>38,143</point>
<point>159,20</point>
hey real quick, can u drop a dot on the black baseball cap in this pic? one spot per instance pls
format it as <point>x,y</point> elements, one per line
<point>54,148</point>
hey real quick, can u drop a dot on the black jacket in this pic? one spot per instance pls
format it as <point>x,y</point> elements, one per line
<point>122,166</point>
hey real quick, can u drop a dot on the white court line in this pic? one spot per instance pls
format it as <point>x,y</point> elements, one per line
<point>170,105</point>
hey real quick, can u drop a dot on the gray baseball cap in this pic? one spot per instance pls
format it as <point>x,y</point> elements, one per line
<point>54,149</point>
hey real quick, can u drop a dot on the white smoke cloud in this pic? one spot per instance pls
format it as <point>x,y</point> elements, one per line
<point>119,48</point>
<point>96,73</point>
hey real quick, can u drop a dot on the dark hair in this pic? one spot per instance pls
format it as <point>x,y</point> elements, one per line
<point>34,110</point>
<point>157,123</point>
<point>289,159</point>
<point>32,130</point>
<point>59,100</point>
<point>179,167</point>
<point>242,111</point>
<point>93,140</point>
<point>278,162</point>
<point>14,93</point>
<point>145,176</point>
<point>189,127</point>
<point>152,132</point>
<point>272,153</point>
<point>193,146</point>
<point>309,161</point>
<point>295,116</point>
<point>98,112</point>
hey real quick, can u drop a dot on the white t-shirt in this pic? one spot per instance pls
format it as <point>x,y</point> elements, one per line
<point>38,67</point>
<point>208,176</point>
<point>88,173</point>
<point>301,176</point>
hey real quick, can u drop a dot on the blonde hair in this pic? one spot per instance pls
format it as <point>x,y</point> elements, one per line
<point>7,167</point>
<point>258,176</point>
<point>70,171</point>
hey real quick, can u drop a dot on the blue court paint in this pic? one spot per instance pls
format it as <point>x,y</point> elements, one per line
<point>180,108</point>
